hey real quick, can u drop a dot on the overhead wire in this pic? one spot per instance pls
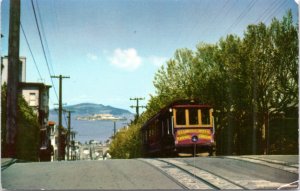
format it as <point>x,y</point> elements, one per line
<point>267,14</point>
<point>34,61</point>
<point>229,9</point>
<point>213,21</point>
<point>44,53</point>
<point>54,7</point>
<point>267,11</point>
<point>43,48</point>
<point>229,5</point>
<point>44,35</point>
<point>30,50</point>
<point>280,6</point>
<point>241,16</point>
<point>46,44</point>
<point>196,25</point>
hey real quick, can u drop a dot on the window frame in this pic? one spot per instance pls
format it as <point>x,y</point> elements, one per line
<point>32,99</point>
<point>187,119</point>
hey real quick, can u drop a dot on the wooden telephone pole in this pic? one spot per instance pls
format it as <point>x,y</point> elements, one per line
<point>60,149</point>
<point>137,106</point>
<point>69,134</point>
<point>13,79</point>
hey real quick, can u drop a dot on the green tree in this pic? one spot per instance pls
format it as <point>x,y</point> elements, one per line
<point>272,62</point>
<point>127,143</point>
<point>28,130</point>
<point>225,91</point>
<point>176,80</point>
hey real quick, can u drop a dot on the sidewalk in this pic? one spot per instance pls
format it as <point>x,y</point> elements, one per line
<point>6,162</point>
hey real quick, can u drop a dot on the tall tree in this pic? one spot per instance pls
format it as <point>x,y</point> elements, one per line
<point>273,67</point>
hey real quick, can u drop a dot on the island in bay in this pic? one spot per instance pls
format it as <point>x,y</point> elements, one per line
<point>100,116</point>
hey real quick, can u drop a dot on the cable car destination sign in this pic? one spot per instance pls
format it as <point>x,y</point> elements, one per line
<point>185,136</point>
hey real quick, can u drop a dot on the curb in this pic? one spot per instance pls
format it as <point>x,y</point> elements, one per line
<point>6,164</point>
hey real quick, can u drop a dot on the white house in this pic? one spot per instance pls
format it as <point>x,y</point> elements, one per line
<point>53,134</point>
<point>4,66</point>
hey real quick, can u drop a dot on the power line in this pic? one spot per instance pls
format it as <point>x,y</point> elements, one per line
<point>274,11</point>
<point>196,25</point>
<point>40,36</point>
<point>230,8</point>
<point>44,35</point>
<point>44,53</point>
<point>265,13</point>
<point>30,50</point>
<point>241,16</point>
<point>213,21</point>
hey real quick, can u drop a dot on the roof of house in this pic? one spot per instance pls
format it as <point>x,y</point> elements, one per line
<point>34,84</point>
<point>50,123</point>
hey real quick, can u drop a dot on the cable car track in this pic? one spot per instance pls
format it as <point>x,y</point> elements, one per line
<point>191,177</point>
<point>230,184</point>
<point>270,163</point>
<point>183,186</point>
<point>207,176</point>
<point>279,162</point>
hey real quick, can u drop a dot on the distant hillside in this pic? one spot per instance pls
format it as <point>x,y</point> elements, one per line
<point>91,108</point>
<point>87,130</point>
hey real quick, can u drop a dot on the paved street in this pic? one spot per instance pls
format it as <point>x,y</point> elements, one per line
<point>163,173</point>
<point>112,174</point>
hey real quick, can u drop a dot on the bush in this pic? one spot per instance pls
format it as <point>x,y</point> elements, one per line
<point>27,145</point>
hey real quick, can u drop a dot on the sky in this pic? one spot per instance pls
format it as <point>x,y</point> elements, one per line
<point>111,49</point>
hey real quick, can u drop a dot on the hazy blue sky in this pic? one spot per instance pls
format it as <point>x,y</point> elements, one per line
<point>111,49</point>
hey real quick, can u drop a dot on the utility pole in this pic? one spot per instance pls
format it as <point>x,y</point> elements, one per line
<point>115,129</point>
<point>73,134</point>
<point>73,137</point>
<point>69,133</point>
<point>13,79</point>
<point>137,106</point>
<point>60,152</point>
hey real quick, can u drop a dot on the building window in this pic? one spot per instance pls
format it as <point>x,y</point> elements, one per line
<point>32,99</point>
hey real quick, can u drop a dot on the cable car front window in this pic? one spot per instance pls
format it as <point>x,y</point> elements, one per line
<point>180,116</point>
<point>193,116</point>
<point>205,116</point>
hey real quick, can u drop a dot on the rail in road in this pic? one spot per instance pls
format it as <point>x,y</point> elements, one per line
<point>282,165</point>
<point>191,176</point>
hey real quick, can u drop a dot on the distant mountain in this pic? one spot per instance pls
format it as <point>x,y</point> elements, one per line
<point>92,129</point>
<point>84,109</point>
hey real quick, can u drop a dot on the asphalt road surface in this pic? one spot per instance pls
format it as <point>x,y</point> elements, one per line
<point>247,172</point>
